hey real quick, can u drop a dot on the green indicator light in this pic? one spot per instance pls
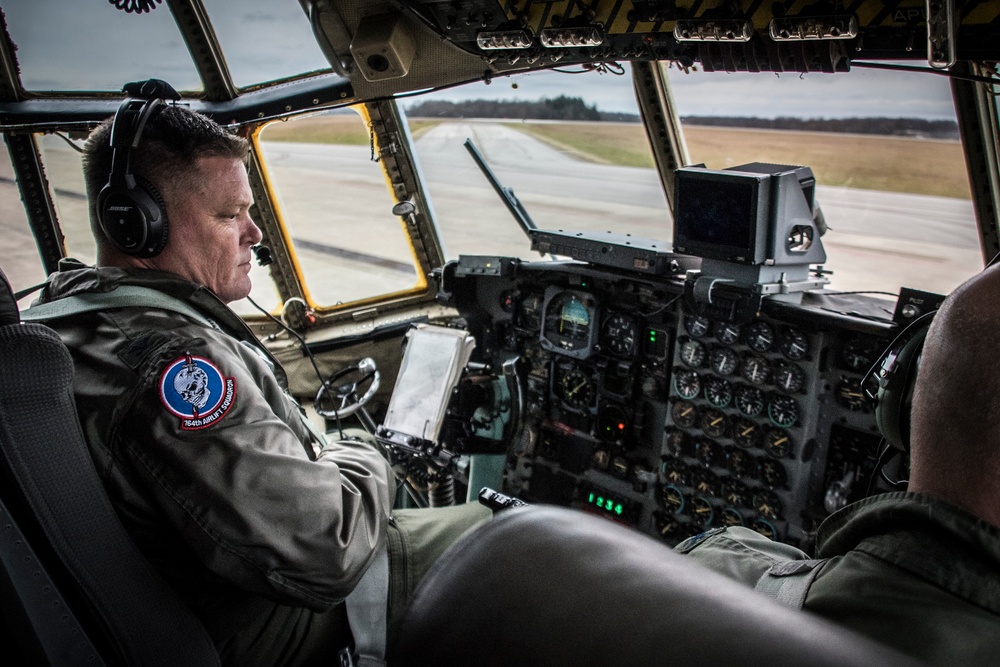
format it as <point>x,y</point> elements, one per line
<point>609,504</point>
<point>600,501</point>
<point>619,509</point>
<point>591,498</point>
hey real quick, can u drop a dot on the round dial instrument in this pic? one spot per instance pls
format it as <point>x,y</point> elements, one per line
<point>727,333</point>
<point>760,336</point>
<point>736,493</point>
<point>713,423</point>
<point>746,433</point>
<point>732,517</point>
<point>718,392</point>
<point>619,334</point>
<point>794,345</point>
<point>684,413</point>
<point>710,452</point>
<point>675,471</point>
<point>765,528</point>
<point>773,473</point>
<point>768,504</point>
<point>724,361</point>
<point>860,353</point>
<point>529,312</point>
<point>740,463</point>
<point>576,389</point>
<point>672,498</point>
<point>778,443</point>
<point>788,377</point>
<point>569,322</point>
<point>850,395</point>
<point>704,481</point>
<point>750,401</point>
<point>697,326</point>
<point>676,441</point>
<point>756,369</point>
<point>693,353</point>
<point>702,512</point>
<point>783,411</point>
<point>687,383</point>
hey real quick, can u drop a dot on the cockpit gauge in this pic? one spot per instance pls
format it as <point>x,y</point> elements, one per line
<point>750,401</point>
<point>576,389</point>
<point>778,443</point>
<point>756,369</point>
<point>736,493</point>
<point>859,354</point>
<point>849,394</point>
<point>746,432</point>
<point>702,512</point>
<point>714,423</point>
<point>726,333</point>
<point>768,504</point>
<point>612,423</point>
<point>619,334</point>
<point>732,517</point>
<point>687,383</point>
<point>600,459</point>
<point>740,463</point>
<point>704,481</point>
<point>693,353</point>
<point>773,473</point>
<point>765,528</point>
<point>675,471</point>
<point>794,345</point>
<point>724,361</point>
<point>710,452</point>
<point>760,336</point>
<point>669,526</point>
<point>529,312</point>
<point>684,413</point>
<point>783,411</point>
<point>697,326</point>
<point>672,498</point>
<point>718,392</point>
<point>676,441</point>
<point>788,377</point>
<point>569,326</point>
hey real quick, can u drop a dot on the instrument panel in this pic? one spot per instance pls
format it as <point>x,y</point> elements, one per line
<point>656,417</point>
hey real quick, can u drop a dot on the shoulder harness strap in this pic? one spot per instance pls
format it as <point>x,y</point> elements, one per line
<point>124,296</point>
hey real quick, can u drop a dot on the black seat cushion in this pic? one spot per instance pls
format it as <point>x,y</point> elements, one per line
<point>552,586</point>
<point>8,306</point>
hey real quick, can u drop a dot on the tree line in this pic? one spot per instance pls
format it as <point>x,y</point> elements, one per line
<point>567,108</point>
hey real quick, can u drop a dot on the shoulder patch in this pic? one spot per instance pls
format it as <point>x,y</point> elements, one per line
<point>195,390</point>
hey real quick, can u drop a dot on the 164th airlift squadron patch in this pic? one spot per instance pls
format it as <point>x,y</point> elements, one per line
<point>195,390</point>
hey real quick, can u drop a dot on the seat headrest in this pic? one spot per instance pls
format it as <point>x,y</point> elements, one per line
<point>9,314</point>
<point>552,586</point>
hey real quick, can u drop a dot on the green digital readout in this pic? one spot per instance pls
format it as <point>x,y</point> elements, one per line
<point>606,504</point>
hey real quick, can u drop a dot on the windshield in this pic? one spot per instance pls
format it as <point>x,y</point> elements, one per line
<point>883,146</point>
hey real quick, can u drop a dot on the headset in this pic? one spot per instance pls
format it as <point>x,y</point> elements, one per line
<point>129,209</point>
<point>890,380</point>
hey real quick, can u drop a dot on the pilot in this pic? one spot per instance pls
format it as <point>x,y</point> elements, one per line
<point>918,570</point>
<point>204,454</point>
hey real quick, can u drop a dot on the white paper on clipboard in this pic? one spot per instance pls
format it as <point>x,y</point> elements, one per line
<point>432,366</point>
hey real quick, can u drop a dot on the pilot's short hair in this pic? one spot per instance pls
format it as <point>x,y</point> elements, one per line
<point>173,140</point>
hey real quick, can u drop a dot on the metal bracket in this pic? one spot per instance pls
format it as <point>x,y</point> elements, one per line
<point>942,29</point>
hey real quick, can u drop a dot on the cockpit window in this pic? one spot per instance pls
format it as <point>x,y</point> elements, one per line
<point>264,40</point>
<point>570,146</point>
<point>68,45</point>
<point>337,209</point>
<point>884,148</point>
<point>18,250</point>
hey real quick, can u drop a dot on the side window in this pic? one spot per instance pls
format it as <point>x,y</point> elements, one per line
<point>64,168</point>
<point>336,206</point>
<point>19,257</point>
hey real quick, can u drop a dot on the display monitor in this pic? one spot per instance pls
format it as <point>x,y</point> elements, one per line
<point>722,215</point>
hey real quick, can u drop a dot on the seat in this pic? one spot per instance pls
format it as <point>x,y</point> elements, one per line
<point>74,589</point>
<point>549,586</point>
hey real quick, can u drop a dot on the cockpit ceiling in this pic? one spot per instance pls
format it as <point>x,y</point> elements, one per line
<point>368,49</point>
<point>437,42</point>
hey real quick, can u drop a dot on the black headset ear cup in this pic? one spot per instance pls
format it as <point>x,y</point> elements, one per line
<point>134,219</point>
<point>895,396</point>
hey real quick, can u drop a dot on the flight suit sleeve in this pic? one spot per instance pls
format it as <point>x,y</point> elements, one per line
<point>739,553</point>
<point>224,453</point>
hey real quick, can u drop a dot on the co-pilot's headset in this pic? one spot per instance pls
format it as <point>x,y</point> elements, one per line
<point>890,380</point>
<point>130,210</point>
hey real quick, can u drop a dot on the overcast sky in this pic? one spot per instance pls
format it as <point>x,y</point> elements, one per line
<point>88,44</point>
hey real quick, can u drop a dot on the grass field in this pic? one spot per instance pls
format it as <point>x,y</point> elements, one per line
<point>895,164</point>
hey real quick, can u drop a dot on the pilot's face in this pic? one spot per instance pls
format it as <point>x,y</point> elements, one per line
<point>211,232</point>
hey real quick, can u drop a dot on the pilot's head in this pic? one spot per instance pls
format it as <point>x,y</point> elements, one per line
<point>199,170</point>
<point>955,423</point>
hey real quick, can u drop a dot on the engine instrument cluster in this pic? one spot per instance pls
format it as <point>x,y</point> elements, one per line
<point>671,422</point>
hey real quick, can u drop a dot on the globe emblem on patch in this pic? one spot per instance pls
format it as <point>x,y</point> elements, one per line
<point>195,390</point>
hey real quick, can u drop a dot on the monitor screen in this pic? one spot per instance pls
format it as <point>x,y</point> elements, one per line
<point>720,215</point>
